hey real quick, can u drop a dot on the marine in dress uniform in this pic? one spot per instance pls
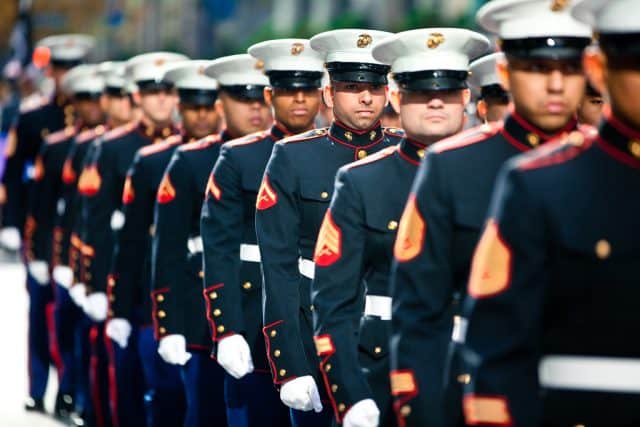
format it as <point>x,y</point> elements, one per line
<point>131,274</point>
<point>551,304</point>
<point>231,254</point>
<point>102,216</point>
<point>43,242</point>
<point>350,291</point>
<point>178,309</point>
<point>33,124</point>
<point>492,101</point>
<point>77,186</point>
<point>24,142</point>
<point>446,209</point>
<point>293,197</point>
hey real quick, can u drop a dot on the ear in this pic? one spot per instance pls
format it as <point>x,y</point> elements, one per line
<point>219,108</point>
<point>136,97</point>
<point>395,100</point>
<point>104,102</point>
<point>268,96</point>
<point>466,96</point>
<point>327,96</point>
<point>595,67</point>
<point>482,109</point>
<point>502,69</point>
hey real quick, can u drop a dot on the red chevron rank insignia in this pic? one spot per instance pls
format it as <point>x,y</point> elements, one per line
<point>128,195</point>
<point>267,197</point>
<point>212,188</point>
<point>329,244</point>
<point>166,192</point>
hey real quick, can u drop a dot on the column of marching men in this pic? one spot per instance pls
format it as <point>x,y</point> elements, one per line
<point>200,253</point>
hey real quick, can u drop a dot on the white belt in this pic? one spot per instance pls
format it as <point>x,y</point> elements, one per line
<point>249,253</point>
<point>377,305</point>
<point>307,268</point>
<point>459,329</point>
<point>194,245</point>
<point>590,373</point>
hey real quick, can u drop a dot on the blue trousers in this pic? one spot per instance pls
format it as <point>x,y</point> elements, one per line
<point>99,376</point>
<point>164,396</point>
<point>40,327</point>
<point>203,382</point>
<point>126,383</point>
<point>253,401</point>
<point>67,316</point>
<point>82,355</point>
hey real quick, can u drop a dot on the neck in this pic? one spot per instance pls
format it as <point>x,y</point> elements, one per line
<point>155,124</point>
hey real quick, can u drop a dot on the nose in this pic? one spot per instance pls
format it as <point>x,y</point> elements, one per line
<point>298,96</point>
<point>435,102</point>
<point>555,82</point>
<point>365,97</point>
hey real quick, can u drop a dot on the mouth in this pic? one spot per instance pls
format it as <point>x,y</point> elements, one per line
<point>555,107</point>
<point>435,118</point>
<point>300,112</point>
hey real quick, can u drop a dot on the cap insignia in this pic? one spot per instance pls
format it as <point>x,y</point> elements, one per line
<point>364,40</point>
<point>559,5</point>
<point>435,40</point>
<point>297,48</point>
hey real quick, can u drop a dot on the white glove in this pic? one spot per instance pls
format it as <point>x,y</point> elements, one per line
<point>63,276</point>
<point>173,349</point>
<point>78,294</point>
<point>39,270</point>
<point>95,306</point>
<point>10,238</point>
<point>119,330</point>
<point>234,356</point>
<point>117,220</point>
<point>364,413</point>
<point>301,394</point>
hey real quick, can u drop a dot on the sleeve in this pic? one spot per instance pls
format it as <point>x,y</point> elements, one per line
<point>504,309</point>
<point>169,260</point>
<point>79,249</point>
<point>422,283</point>
<point>277,231</point>
<point>221,226</point>
<point>64,217</point>
<point>98,212</point>
<point>337,295</point>
<point>13,174</point>
<point>132,240</point>
<point>33,230</point>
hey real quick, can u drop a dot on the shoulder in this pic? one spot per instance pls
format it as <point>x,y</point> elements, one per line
<point>167,144</point>
<point>556,153</point>
<point>470,137</point>
<point>33,103</point>
<point>200,144</point>
<point>394,132</point>
<point>88,135</point>
<point>305,136</point>
<point>247,140</point>
<point>370,161</point>
<point>119,132</point>
<point>60,136</point>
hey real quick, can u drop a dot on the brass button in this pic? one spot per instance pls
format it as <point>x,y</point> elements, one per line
<point>160,298</point>
<point>201,274</point>
<point>276,353</point>
<point>111,282</point>
<point>246,285</point>
<point>349,136</point>
<point>213,295</point>
<point>341,407</point>
<point>362,154</point>
<point>273,333</point>
<point>282,372</point>
<point>372,135</point>
<point>324,195</point>
<point>334,387</point>
<point>162,330</point>
<point>110,313</point>
<point>87,263</point>
<point>217,312</point>
<point>327,367</point>
<point>162,314</point>
<point>603,249</point>
<point>420,153</point>
<point>112,297</point>
<point>392,225</point>
<point>533,139</point>
<point>312,307</point>
<point>405,410</point>
<point>220,329</point>
<point>576,138</point>
<point>464,378</point>
<point>377,350</point>
<point>634,149</point>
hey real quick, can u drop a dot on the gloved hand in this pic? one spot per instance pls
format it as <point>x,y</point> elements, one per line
<point>10,238</point>
<point>234,356</point>
<point>364,413</point>
<point>301,394</point>
<point>95,306</point>
<point>39,270</point>
<point>119,330</point>
<point>78,294</point>
<point>173,349</point>
<point>63,276</point>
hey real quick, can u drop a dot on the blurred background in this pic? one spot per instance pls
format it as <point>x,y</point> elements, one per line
<point>210,28</point>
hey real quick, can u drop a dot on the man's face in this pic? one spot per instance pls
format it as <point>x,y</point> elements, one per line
<point>357,105</point>
<point>545,92</point>
<point>117,108</point>
<point>244,116</point>
<point>590,110</point>
<point>89,111</point>
<point>429,116</point>
<point>199,120</point>
<point>56,73</point>
<point>157,105</point>
<point>622,81</point>
<point>296,109</point>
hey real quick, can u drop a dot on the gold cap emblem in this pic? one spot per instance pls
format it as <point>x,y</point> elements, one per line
<point>364,40</point>
<point>435,40</point>
<point>559,5</point>
<point>201,70</point>
<point>159,62</point>
<point>259,64</point>
<point>297,49</point>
